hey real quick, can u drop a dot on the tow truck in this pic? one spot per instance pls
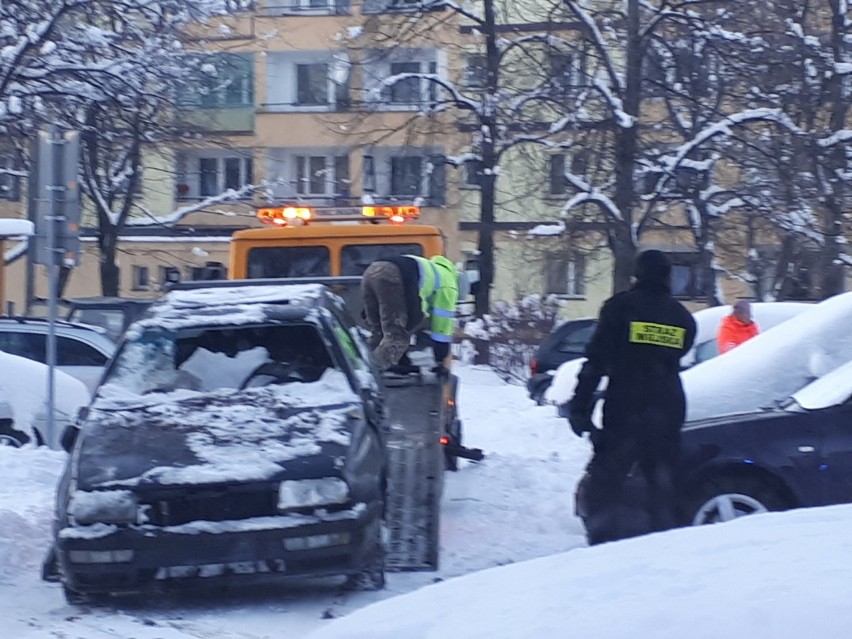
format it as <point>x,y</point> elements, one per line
<point>334,246</point>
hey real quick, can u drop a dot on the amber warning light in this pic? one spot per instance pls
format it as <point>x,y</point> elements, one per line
<point>298,215</point>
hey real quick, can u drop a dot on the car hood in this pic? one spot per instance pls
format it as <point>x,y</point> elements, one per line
<point>224,436</point>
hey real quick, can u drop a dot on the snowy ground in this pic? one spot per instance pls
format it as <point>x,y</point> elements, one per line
<point>765,577</point>
<point>514,506</point>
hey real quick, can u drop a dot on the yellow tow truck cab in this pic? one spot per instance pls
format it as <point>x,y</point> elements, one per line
<point>308,242</point>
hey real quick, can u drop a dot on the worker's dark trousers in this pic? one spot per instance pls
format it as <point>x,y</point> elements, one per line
<point>616,454</point>
<point>385,311</point>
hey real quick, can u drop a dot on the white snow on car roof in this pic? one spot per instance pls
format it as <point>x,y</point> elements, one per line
<point>829,390</point>
<point>775,364</point>
<point>224,305</point>
<point>226,296</point>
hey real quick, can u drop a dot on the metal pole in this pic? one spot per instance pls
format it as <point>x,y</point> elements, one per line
<point>53,220</point>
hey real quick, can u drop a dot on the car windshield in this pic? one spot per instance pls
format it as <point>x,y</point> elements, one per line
<point>214,358</point>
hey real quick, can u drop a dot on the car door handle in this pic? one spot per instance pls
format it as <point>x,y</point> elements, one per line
<point>807,449</point>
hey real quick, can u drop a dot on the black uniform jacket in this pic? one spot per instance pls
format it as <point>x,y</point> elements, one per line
<point>641,335</point>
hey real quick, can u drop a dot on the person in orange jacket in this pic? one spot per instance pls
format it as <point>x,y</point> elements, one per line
<point>736,328</point>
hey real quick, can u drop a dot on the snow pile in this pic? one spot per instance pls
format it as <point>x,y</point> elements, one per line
<point>755,577</point>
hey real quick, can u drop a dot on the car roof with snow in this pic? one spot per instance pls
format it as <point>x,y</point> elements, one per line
<point>233,303</point>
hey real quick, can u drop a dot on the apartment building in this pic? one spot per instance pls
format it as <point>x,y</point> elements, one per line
<point>290,104</point>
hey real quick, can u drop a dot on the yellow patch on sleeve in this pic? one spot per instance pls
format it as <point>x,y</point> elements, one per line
<point>657,334</point>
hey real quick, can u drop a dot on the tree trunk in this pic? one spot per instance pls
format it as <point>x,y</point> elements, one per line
<point>110,281</point>
<point>622,241</point>
<point>490,160</point>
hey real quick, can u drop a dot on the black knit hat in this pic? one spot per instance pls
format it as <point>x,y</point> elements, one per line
<point>653,266</point>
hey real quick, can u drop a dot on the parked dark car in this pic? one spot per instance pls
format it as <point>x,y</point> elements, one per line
<point>566,342</point>
<point>796,454</point>
<point>238,433</point>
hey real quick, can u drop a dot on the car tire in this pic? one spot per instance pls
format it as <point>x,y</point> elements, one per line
<point>371,576</point>
<point>74,598</point>
<point>11,437</point>
<point>726,498</point>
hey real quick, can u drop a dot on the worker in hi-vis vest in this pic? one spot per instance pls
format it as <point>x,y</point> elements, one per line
<point>404,294</point>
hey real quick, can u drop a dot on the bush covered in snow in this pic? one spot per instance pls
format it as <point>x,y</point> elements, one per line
<point>507,338</point>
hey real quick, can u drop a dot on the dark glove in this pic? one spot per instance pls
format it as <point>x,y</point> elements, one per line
<point>580,418</point>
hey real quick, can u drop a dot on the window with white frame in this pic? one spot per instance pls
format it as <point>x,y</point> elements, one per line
<point>406,174</point>
<point>565,274</point>
<point>317,173</point>
<point>405,92</point>
<point>10,182</point>
<point>211,173</point>
<point>307,80</point>
<point>305,7</point>
<point>221,80</point>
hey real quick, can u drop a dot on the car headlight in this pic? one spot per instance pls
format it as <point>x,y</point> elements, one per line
<point>306,493</point>
<point>103,507</point>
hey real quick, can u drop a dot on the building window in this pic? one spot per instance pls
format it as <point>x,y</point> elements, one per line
<point>688,278</point>
<point>312,84</point>
<point>322,175</point>
<point>169,275</point>
<point>472,173</point>
<point>406,176</point>
<point>307,81</point>
<point>212,175</point>
<point>390,6</point>
<point>141,278</point>
<point>10,184</point>
<point>475,71</point>
<point>309,7</point>
<point>222,80</point>
<point>686,181</point>
<point>567,70</point>
<point>405,92</point>
<point>578,163</point>
<point>566,275</point>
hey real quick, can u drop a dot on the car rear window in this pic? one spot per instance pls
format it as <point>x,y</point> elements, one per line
<point>575,342</point>
<point>288,261</point>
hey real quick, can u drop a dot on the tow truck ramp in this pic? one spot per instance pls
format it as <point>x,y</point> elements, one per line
<point>416,472</point>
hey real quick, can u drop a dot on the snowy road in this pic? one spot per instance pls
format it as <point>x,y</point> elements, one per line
<point>514,506</point>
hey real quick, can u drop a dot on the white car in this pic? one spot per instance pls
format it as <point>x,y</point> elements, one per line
<point>23,402</point>
<point>82,351</point>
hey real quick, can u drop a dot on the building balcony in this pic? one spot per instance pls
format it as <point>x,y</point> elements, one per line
<point>225,120</point>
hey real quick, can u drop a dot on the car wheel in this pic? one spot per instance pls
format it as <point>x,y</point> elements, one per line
<point>371,576</point>
<point>11,437</point>
<point>75,598</point>
<point>728,498</point>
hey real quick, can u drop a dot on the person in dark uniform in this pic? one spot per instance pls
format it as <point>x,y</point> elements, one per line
<point>640,337</point>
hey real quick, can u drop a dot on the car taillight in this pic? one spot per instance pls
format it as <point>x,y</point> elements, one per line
<point>533,366</point>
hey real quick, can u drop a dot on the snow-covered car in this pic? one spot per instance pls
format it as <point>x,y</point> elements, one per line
<point>794,453</point>
<point>82,351</point>
<point>23,390</point>
<point>766,314</point>
<point>238,432</point>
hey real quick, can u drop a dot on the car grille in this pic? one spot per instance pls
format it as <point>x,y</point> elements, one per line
<point>210,505</point>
